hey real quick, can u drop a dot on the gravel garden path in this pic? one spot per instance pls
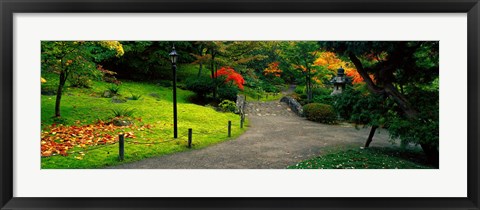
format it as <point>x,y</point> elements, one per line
<point>276,138</point>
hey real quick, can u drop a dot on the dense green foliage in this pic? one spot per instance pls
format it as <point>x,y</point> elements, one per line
<point>320,95</point>
<point>228,92</point>
<point>200,85</point>
<point>148,60</point>
<point>227,106</point>
<point>356,104</point>
<point>405,73</point>
<point>425,128</point>
<point>317,112</point>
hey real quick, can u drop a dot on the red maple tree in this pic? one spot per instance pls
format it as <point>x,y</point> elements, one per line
<point>231,75</point>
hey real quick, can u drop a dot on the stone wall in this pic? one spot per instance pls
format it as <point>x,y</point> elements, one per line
<point>293,104</point>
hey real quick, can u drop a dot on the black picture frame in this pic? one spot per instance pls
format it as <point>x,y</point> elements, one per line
<point>10,7</point>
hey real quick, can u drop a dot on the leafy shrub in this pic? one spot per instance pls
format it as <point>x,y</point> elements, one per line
<point>200,85</point>
<point>361,107</point>
<point>117,112</point>
<point>299,89</point>
<point>114,89</point>
<point>135,97</point>
<point>322,96</point>
<point>227,92</point>
<point>324,99</point>
<point>320,91</point>
<point>227,106</point>
<point>108,76</point>
<point>80,81</point>
<point>322,113</point>
<point>267,87</point>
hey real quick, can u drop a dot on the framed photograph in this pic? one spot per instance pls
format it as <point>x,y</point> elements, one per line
<point>239,105</point>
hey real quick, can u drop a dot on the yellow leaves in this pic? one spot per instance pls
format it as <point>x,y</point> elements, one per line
<point>301,67</point>
<point>330,61</point>
<point>113,45</point>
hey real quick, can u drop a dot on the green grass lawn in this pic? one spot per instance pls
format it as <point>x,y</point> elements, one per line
<point>369,158</point>
<point>154,108</point>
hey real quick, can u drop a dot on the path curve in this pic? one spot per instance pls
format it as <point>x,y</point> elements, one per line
<point>276,138</point>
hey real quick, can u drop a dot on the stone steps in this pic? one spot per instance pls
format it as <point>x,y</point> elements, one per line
<point>273,108</point>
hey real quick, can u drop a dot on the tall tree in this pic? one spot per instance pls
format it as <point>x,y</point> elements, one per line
<point>404,72</point>
<point>200,55</point>
<point>302,55</point>
<point>68,58</point>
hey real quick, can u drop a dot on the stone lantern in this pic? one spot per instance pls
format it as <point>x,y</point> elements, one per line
<point>339,82</point>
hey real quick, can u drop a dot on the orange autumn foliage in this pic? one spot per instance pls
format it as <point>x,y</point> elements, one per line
<point>331,61</point>
<point>273,69</point>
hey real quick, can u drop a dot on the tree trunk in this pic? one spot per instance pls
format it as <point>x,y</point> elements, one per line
<point>63,79</point>
<point>200,52</point>
<point>311,87</point>
<point>430,151</point>
<point>200,69</point>
<point>213,75</point>
<point>370,136</point>
<point>309,84</point>
<point>400,100</point>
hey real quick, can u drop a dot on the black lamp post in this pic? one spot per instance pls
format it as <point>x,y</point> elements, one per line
<point>173,58</point>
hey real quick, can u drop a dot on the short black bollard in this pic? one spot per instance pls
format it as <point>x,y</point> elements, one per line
<point>259,97</point>
<point>229,128</point>
<point>121,148</point>
<point>189,138</point>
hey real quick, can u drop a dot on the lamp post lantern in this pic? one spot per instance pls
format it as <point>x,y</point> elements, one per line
<point>173,58</point>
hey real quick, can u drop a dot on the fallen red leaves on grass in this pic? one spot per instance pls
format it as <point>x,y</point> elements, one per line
<point>59,139</point>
